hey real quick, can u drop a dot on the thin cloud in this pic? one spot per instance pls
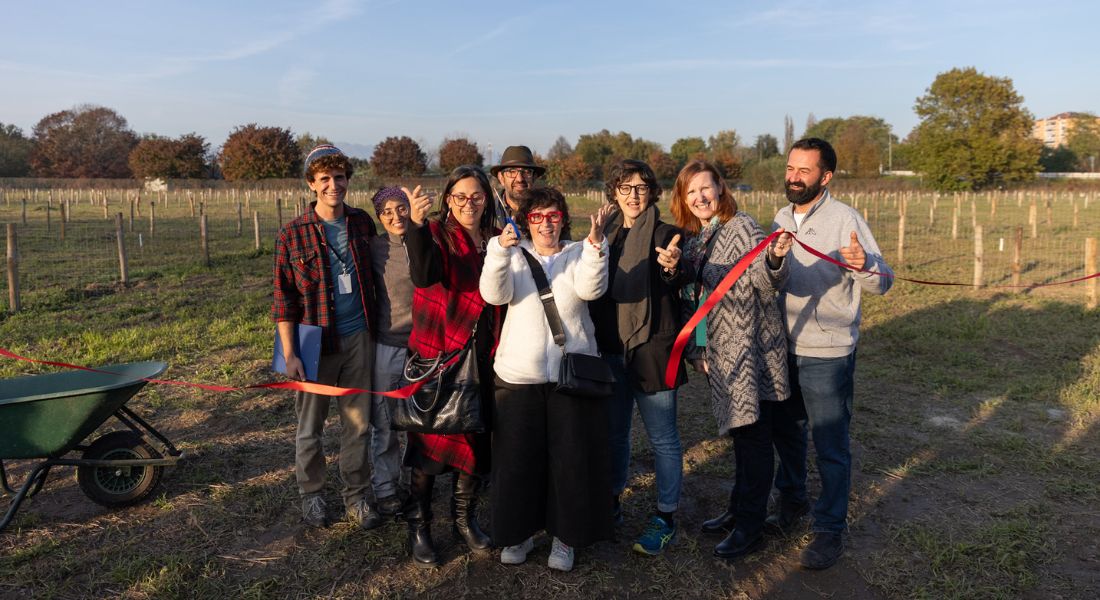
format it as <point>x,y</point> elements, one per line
<point>493,34</point>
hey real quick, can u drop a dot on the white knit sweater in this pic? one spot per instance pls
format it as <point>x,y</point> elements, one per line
<point>527,353</point>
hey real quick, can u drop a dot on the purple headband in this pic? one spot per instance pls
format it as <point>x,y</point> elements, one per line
<point>387,193</point>
<point>318,152</point>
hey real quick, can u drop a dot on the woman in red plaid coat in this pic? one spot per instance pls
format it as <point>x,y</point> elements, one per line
<point>446,251</point>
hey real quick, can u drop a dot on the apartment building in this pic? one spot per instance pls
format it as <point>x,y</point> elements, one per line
<point>1054,131</point>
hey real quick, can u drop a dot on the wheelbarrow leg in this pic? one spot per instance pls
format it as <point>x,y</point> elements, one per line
<point>36,479</point>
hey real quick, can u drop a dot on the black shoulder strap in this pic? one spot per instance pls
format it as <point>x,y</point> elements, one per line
<point>547,297</point>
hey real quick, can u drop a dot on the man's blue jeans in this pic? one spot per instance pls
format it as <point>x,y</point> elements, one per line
<point>658,411</point>
<point>821,393</point>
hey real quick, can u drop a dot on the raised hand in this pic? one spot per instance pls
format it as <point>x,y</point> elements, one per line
<point>595,235</point>
<point>853,254</point>
<point>420,204</point>
<point>669,256</point>
<point>508,238</point>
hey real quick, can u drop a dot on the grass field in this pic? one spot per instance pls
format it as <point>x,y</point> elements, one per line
<point>975,439</point>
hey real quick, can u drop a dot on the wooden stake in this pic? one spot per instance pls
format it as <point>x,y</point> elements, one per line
<point>13,270</point>
<point>1090,268</point>
<point>203,241</point>
<point>256,227</point>
<point>1017,254</point>
<point>240,219</point>
<point>152,218</point>
<point>123,270</point>
<point>978,256</point>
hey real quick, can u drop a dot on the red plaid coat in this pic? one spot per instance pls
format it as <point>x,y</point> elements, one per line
<point>303,291</point>
<point>446,305</point>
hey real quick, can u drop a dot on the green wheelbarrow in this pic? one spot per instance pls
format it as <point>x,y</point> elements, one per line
<point>47,417</point>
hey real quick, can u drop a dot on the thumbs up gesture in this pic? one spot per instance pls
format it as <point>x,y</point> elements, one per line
<point>853,254</point>
<point>669,256</point>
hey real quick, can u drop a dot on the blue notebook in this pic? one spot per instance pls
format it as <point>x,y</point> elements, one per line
<point>308,341</point>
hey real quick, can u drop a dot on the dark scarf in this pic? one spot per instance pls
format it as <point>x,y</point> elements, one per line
<point>631,286</point>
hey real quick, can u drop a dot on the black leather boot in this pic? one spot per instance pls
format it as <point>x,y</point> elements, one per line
<point>418,514</point>
<point>464,512</point>
<point>724,522</point>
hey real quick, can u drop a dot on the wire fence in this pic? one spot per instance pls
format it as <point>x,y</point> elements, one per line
<point>69,239</point>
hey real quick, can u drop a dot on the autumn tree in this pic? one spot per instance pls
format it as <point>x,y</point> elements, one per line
<point>254,152</point>
<point>458,151</point>
<point>974,132</point>
<point>560,149</point>
<point>861,142</point>
<point>600,150</point>
<point>662,164</point>
<point>569,172</point>
<point>85,141</point>
<point>765,146</point>
<point>1084,141</point>
<point>398,157</point>
<point>307,141</point>
<point>156,156</point>
<point>685,149</point>
<point>15,152</point>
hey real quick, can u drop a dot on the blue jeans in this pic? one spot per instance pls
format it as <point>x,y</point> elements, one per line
<point>821,394</point>
<point>658,411</point>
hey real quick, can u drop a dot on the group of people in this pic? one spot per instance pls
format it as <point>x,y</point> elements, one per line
<point>778,349</point>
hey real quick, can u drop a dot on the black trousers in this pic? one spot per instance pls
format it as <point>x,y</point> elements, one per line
<point>755,464</point>
<point>551,468</point>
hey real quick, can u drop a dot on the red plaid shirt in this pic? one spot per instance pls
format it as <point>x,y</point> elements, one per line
<point>303,291</point>
<point>444,314</point>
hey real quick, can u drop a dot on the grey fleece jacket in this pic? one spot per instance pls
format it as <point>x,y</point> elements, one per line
<point>821,302</point>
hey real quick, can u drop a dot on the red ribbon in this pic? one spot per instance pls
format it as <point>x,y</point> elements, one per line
<point>738,269</point>
<point>303,386</point>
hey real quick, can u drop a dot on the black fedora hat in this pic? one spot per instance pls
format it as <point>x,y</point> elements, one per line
<point>517,157</point>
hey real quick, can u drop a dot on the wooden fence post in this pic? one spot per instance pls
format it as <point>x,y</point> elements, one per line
<point>955,221</point>
<point>278,213</point>
<point>1033,219</point>
<point>133,203</point>
<point>1075,212</point>
<point>1017,254</point>
<point>978,256</point>
<point>1090,268</point>
<point>901,234</point>
<point>123,268</point>
<point>24,211</point>
<point>49,207</point>
<point>13,270</point>
<point>203,241</point>
<point>240,219</point>
<point>256,227</point>
<point>152,218</point>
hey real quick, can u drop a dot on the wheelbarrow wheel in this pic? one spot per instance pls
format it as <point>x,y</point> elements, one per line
<point>119,486</point>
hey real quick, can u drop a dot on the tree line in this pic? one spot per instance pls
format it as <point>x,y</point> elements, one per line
<point>974,133</point>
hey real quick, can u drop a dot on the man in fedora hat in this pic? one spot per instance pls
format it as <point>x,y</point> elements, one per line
<point>516,173</point>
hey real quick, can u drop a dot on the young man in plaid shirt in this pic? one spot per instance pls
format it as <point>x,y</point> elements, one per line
<point>323,277</point>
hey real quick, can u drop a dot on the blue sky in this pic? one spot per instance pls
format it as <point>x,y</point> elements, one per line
<point>516,72</point>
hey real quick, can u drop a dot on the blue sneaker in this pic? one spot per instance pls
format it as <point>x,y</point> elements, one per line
<point>656,536</point>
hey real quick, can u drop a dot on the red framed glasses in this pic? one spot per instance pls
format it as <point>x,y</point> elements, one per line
<point>553,216</point>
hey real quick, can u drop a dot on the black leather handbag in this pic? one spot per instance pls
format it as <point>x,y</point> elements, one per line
<point>581,375</point>
<point>450,399</point>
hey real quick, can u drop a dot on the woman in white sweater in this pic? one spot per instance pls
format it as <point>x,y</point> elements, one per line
<point>550,457</point>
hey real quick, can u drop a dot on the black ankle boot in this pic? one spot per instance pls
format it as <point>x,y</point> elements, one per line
<point>418,514</point>
<point>464,512</point>
<point>724,522</point>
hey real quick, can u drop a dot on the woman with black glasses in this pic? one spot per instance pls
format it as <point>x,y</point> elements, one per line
<point>550,454</point>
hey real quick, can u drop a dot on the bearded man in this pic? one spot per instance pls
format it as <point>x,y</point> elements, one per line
<point>821,305</point>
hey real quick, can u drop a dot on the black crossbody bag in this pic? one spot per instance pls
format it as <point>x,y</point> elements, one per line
<point>581,375</point>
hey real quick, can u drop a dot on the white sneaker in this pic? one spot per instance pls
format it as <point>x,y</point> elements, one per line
<point>561,556</point>
<point>517,555</point>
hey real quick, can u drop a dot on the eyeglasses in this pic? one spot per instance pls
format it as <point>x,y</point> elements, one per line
<point>461,200</point>
<point>553,216</point>
<point>512,172</point>
<point>627,189</point>
<point>389,213</point>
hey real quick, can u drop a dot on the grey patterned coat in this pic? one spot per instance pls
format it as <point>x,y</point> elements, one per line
<point>746,340</point>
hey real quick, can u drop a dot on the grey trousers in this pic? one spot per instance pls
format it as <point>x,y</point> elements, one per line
<point>350,367</point>
<point>386,444</point>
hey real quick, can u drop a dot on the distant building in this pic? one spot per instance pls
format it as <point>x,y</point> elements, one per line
<point>1054,131</point>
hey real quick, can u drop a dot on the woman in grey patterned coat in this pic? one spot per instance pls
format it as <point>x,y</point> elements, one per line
<point>745,351</point>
